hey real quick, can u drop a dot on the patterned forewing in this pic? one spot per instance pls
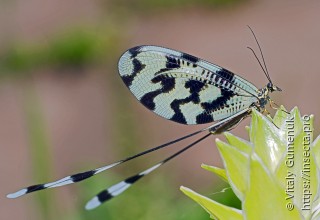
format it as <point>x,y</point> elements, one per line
<point>183,88</point>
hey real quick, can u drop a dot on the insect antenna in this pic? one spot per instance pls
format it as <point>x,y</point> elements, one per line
<point>87,174</point>
<point>254,53</point>
<point>265,69</point>
<point>122,186</point>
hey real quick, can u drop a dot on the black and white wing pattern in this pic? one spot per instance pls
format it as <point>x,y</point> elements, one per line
<point>184,88</point>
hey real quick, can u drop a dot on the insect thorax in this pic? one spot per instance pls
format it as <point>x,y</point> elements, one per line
<point>263,97</point>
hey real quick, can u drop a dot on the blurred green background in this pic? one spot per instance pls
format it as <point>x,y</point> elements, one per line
<point>64,109</point>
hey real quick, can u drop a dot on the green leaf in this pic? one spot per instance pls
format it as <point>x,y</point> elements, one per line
<point>236,163</point>
<point>265,199</point>
<point>280,117</point>
<point>239,143</point>
<point>220,172</point>
<point>267,139</point>
<point>299,164</point>
<point>316,150</point>
<point>216,210</point>
<point>316,210</point>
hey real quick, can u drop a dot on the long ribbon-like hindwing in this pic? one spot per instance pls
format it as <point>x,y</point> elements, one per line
<point>87,174</point>
<point>120,187</point>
